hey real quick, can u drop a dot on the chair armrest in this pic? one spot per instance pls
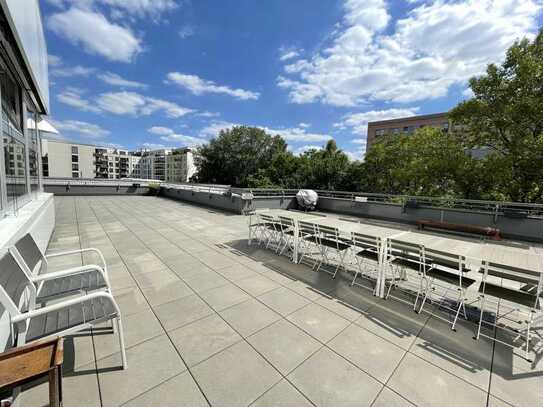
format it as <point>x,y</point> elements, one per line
<point>88,249</point>
<point>69,272</point>
<point>65,304</point>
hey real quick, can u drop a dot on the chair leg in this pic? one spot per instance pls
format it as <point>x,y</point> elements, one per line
<point>428,287</point>
<point>528,336</point>
<point>460,306</point>
<point>121,343</point>
<point>480,318</point>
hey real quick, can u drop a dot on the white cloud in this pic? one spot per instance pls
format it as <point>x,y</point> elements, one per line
<point>304,125</point>
<point>85,129</point>
<point>168,134</point>
<point>54,60</point>
<point>468,93</point>
<point>303,149</point>
<point>77,70</point>
<point>123,103</point>
<point>185,32</point>
<point>199,86</point>
<point>155,146</point>
<point>142,8</point>
<point>92,31</point>
<point>433,47</point>
<point>357,123</point>
<point>117,80</point>
<point>73,97</point>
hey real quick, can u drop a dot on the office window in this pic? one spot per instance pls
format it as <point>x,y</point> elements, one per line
<point>75,150</point>
<point>75,167</point>
<point>75,158</point>
<point>406,129</point>
<point>75,174</point>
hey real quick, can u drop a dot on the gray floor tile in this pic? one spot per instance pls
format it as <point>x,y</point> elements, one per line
<point>175,314</point>
<point>180,390</point>
<point>257,285</point>
<point>249,317</point>
<point>130,300</point>
<point>224,296</point>
<point>205,281</point>
<point>387,398</point>
<point>149,364</point>
<point>369,352</point>
<point>328,380</point>
<point>284,345</point>
<point>235,272</point>
<point>283,300</point>
<point>342,309</point>
<point>456,352</point>
<point>201,339</point>
<point>318,322</point>
<point>283,394</point>
<point>163,293</point>
<point>156,279</point>
<point>440,388</point>
<point>235,377</point>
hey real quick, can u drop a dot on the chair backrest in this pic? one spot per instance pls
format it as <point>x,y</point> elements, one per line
<point>266,218</point>
<point>512,273</point>
<point>365,241</point>
<point>306,228</point>
<point>30,252</point>
<point>445,259</point>
<point>328,231</point>
<point>287,222</point>
<point>413,252</point>
<point>13,283</point>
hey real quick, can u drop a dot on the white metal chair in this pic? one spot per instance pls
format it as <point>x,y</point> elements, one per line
<point>65,282</point>
<point>449,269</point>
<point>28,323</point>
<point>307,241</point>
<point>401,258</point>
<point>260,229</point>
<point>328,240</point>
<point>287,227</point>
<point>268,230</point>
<point>514,299</point>
<point>366,251</point>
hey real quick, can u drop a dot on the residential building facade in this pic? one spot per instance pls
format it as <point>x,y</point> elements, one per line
<point>406,125</point>
<point>170,165</point>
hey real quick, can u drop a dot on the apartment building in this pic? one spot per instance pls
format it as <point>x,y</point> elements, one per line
<point>170,165</point>
<point>63,159</point>
<point>406,125</point>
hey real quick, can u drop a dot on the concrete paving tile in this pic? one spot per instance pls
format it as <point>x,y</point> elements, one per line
<point>149,364</point>
<point>235,272</point>
<point>283,300</point>
<point>205,281</point>
<point>156,279</point>
<point>387,398</point>
<point>179,389</point>
<point>440,388</point>
<point>394,321</point>
<point>283,394</point>
<point>175,314</point>
<point>456,352</point>
<point>328,380</point>
<point>225,296</point>
<point>257,285</point>
<point>130,300</point>
<point>342,309</point>
<point>167,292</point>
<point>235,377</point>
<point>318,322</point>
<point>369,352</point>
<point>284,345</point>
<point>249,317</point>
<point>201,339</point>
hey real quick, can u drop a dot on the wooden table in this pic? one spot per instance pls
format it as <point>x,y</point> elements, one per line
<point>33,361</point>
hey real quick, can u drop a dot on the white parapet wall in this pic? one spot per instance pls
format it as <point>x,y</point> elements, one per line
<point>38,218</point>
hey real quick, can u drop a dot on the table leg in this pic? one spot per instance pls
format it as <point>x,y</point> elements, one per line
<point>54,400</point>
<point>295,251</point>
<point>250,222</point>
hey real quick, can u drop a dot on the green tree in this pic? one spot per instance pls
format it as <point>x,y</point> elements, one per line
<point>506,116</point>
<point>325,168</point>
<point>236,154</point>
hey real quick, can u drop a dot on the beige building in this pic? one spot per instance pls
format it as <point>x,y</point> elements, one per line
<point>170,165</point>
<point>406,125</point>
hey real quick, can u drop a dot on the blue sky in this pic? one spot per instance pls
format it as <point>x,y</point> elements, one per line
<point>152,73</point>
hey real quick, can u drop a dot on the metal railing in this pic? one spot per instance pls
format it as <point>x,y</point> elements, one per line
<point>100,182</point>
<point>208,188</point>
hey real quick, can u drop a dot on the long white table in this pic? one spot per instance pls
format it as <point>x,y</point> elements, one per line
<point>508,253</point>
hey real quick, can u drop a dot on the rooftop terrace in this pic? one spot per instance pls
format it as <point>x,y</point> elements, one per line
<point>209,320</point>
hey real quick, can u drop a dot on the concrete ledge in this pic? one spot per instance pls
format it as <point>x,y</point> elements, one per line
<point>96,190</point>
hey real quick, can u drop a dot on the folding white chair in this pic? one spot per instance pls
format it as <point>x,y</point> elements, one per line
<point>48,285</point>
<point>328,240</point>
<point>449,269</point>
<point>261,229</point>
<point>270,233</point>
<point>287,227</point>
<point>307,241</point>
<point>402,258</point>
<point>28,323</point>
<point>507,284</point>
<point>366,251</point>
